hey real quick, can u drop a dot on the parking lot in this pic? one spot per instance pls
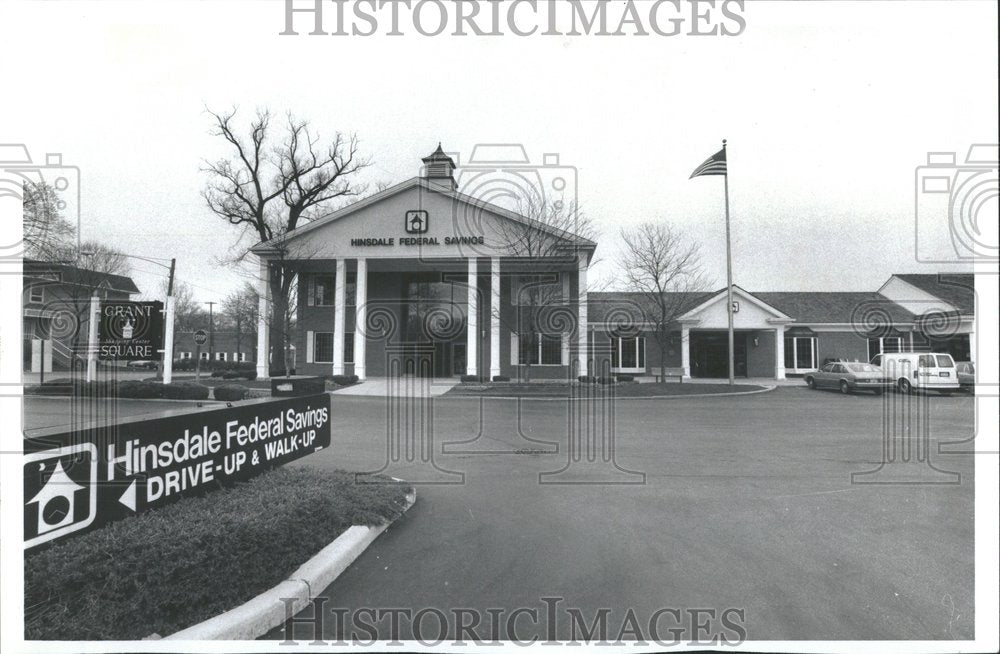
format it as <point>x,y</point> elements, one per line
<point>747,502</point>
<point>742,502</point>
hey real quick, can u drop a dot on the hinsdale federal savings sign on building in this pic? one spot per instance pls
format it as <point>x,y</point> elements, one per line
<point>78,480</point>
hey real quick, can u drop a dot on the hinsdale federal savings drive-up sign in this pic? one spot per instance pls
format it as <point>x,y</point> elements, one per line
<point>77,480</point>
<point>130,331</point>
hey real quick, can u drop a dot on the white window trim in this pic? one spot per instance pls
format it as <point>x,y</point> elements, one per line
<point>516,351</point>
<point>311,353</point>
<point>637,358</point>
<point>795,354</point>
<point>40,298</point>
<point>327,302</point>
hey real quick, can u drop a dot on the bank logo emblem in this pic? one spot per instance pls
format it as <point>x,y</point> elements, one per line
<point>61,492</point>
<point>416,222</point>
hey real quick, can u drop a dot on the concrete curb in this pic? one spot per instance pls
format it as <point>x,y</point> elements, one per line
<point>268,610</point>
<point>765,389</point>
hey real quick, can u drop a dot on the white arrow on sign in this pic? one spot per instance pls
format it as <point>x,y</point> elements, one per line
<point>128,497</point>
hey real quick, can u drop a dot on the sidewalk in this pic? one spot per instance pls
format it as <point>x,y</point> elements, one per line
<point>407,386</point>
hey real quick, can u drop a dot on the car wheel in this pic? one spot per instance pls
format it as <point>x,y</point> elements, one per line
<point>845,388</point>
<point>811,383</point>
<point>905,386</point>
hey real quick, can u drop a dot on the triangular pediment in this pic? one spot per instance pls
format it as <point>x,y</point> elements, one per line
<point>413,219</point>
<point>752,312</point>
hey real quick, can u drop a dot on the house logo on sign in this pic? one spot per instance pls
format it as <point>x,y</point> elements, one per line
<point>61,492</point>
<point>416,222</point>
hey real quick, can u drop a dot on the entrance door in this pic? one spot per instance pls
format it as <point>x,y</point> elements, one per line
<point>710,354</point>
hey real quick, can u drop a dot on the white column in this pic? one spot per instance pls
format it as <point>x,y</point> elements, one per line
<point>360,317</point>
<point>263,305</point>
<point>339,300</point>
<point>779,352</point>
<point>472,320</point>
<point>494,317</point>
<point>95,315</point>
<point>685,351</point>
<point>168,342</point>
<point>582,327</point>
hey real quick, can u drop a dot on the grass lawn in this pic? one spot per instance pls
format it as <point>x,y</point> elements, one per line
<point>620,390</point>
<point>174,567</point>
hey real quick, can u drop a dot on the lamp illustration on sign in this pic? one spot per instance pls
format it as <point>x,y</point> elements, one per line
<point>417,222</point>
<point>127,329</point>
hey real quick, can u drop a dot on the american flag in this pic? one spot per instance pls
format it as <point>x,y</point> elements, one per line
<point>714,165</point>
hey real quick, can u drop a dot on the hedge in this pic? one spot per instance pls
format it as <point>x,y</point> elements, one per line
<point>230,392</point>
<point>173,567</point>
<point>501,378</point>
<point>586,379</point>
<point>344,380</point>
<point>185,391</point>
<point>473,379</point>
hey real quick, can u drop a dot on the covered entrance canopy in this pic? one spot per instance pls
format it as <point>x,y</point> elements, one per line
<point>758,339</point>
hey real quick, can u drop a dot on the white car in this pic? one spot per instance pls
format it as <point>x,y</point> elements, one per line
<point>932,371</point>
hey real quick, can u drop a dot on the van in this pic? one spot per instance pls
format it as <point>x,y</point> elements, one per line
<point>932,371</point>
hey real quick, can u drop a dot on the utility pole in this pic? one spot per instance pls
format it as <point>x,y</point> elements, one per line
<point>211,333</point>
<point>167,363</point>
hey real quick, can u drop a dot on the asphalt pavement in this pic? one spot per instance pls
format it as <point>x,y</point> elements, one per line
<point>740,504</point>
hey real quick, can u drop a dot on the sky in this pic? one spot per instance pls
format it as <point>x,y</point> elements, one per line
<point>829,109</point>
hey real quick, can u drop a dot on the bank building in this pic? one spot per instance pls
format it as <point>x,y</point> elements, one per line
<point>423,279</point>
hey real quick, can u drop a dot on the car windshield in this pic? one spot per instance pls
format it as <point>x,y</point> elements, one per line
<point>862,367</point>
<point>944,361</point>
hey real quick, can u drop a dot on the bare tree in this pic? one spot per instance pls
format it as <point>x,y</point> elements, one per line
<point>239,311</point>
<point>272,184</point>
<point>48,235</point>
<point>666,272</point>
<point>548,238</point>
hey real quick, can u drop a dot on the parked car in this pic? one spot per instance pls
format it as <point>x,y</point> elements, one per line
<point>849,377</point>
<point>966,375</point>
<point>932,371</point>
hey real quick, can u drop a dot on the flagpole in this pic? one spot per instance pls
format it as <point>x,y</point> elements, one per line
<point>729,270</point>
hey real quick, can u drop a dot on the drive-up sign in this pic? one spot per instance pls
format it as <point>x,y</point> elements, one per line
<point>77,480</point>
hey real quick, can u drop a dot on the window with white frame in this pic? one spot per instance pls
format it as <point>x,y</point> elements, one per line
<point>884,345</point>
<point>243,356</point>
<point>203,356</point>
<point>220,356</point>
<point>323,347</point>
<point>36,294</point>
<point>184,356</point>
<point>539,349</point>
<point>628,354</point>
<point>322,291</point>
<point>800,353</point>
